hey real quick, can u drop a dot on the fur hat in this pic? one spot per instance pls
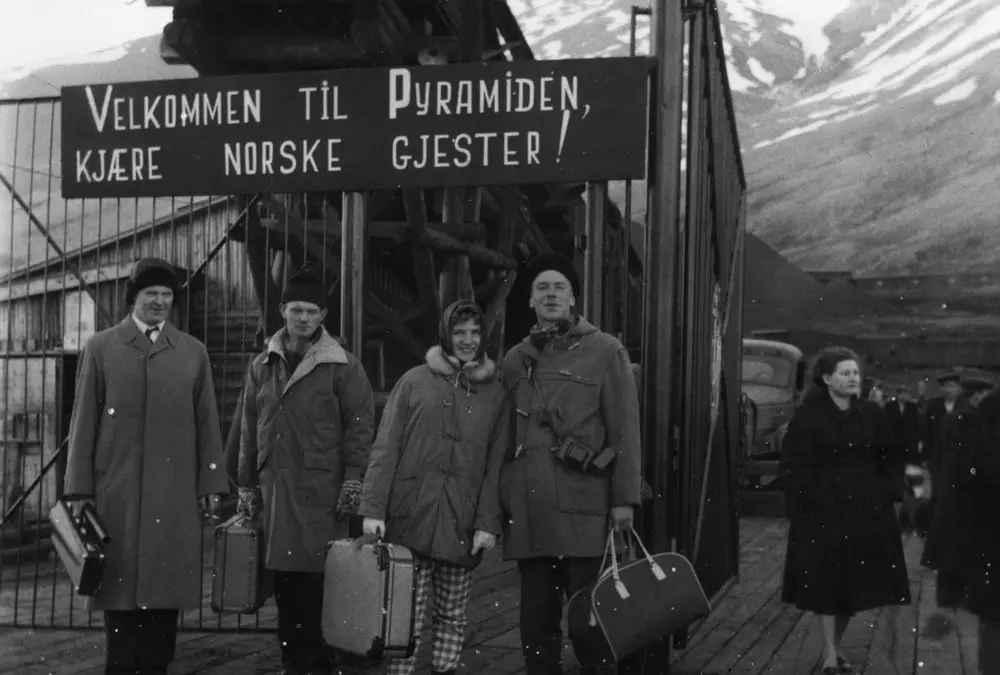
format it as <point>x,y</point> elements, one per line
<point>550,260</point>
<point>306,286</point>
<point>150,272</point>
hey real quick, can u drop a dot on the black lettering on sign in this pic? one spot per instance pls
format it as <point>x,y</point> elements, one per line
<point>375,128</point>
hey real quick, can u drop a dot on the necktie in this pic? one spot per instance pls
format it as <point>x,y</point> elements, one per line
<point>151,333</point>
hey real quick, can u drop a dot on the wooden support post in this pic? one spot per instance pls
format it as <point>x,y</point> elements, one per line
<point>423,260</point>
<point>593,254</point>
<point>353,270</point>
<point>267,291</point>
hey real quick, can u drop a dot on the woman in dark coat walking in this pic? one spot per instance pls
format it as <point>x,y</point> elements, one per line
<point>840,465</point>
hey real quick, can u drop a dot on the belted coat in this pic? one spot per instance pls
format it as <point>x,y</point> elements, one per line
<point>303,434</point>
<point>841,469</point>
<point>435,467</point>
<point>145,443</point>
<point>588,390</point>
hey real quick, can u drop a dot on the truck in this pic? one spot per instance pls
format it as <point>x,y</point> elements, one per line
<point>772,383</point>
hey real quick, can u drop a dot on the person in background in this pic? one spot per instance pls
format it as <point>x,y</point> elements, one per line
<point>305,438</point>
<point>904,422</point>
<point>839,465</point>
<point>937,409</point>
<point>575,401</point>
<point>433,476</point>
<point>963,545</point>
<point>145,447</point>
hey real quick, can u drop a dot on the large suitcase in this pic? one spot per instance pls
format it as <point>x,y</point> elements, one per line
<point>633,605</point>
<point>79,543</point>
<point>240,583</point>
<point>368,598</point>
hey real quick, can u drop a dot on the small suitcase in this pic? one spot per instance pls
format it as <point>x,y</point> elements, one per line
<point>240,583</point>
<point>368,598</point>
<point>632,605</point>
<point>79,543</point>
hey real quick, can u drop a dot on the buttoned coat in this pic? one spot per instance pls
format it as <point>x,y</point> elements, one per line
<point>435,467</point>
<point>845,552</point>
<point>303,434</point>
<point>145,442</point>
<point>589,392</point>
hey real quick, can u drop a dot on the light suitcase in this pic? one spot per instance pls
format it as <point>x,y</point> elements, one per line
<point>79,543</point>
<point>634,604</point>
<point>368,598</point>
<point>240,583</point>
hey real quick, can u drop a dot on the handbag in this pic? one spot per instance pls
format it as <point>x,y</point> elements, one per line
<point>633,604</point>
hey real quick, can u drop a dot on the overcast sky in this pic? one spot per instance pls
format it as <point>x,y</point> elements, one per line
<point>47,32</point>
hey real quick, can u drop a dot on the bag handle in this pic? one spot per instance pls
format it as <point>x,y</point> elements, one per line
<point>610,553</point>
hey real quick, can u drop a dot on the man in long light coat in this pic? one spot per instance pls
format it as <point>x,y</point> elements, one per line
<point>308,421</point>
<point>145,447</point>
<point>572,386</point>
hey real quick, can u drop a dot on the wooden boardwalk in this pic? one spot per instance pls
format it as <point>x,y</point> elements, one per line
<point>750,632</point>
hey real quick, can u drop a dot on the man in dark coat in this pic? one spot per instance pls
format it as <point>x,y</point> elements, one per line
<point>937,408</point>
<point>574,395</point>
<point>145,447</point>
<point>904,422</point>
<point>306,435</point>
<point>964,540</point>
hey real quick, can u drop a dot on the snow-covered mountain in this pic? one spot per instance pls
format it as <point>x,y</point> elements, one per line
<point>870,128</point>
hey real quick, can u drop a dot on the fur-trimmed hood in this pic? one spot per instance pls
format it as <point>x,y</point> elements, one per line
<point>449,367</point>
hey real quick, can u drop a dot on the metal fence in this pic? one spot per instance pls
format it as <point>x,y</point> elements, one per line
<point>63,267</point>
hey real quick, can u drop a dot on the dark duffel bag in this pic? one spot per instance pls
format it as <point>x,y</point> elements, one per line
<point>633,604</point>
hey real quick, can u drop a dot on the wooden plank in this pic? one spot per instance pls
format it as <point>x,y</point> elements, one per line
<point>894,645</point>
<point>802,652</point>
<point>936,654</point>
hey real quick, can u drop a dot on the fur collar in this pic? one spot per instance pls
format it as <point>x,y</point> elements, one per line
<point>442,364</point>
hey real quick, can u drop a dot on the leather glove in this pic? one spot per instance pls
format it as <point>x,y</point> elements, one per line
<point>350,499</point>
<point>622,518</point>
<point>373,526</point>
<point>76,505</point>
<point>249,503</point>
<point>483,541</point>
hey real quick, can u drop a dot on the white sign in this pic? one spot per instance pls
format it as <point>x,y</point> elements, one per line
<point>79,320</point>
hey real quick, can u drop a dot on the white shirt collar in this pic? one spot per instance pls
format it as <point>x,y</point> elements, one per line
<point>143,327</point>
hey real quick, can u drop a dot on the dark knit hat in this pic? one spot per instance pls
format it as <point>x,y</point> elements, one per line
<point>150,272</point>
<point>550,260</point>
<point>306,286</point>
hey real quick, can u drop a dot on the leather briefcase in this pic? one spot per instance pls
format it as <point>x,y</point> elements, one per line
<point>79,543</point>
<point>632,605</point>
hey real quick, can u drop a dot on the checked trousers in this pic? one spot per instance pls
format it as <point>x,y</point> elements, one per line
<point>451,587</point>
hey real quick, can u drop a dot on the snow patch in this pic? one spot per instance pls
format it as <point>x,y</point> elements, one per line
<point>996,96</point>
<point>959,93</point>
<point>760,72</point>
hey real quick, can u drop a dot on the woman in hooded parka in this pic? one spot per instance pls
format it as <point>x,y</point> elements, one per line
<point>840,463</point>
<point>434,473</point>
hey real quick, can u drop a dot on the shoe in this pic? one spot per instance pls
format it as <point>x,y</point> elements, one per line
<point>443,672</point>
<point>843,666</point>
<point>831,670</point>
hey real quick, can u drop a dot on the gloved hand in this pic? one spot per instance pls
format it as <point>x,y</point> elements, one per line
<point>350,499</point>
<point>373,526</point>
<point>483,541</point>
<point>76,505</point>
<point>622,518</point>
<point>211,508</point>
<point>249,503</point>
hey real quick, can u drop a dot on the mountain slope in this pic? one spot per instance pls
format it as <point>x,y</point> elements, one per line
<point>869,127</point>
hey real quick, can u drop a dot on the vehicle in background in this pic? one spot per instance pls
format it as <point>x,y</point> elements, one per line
<point>773,380</point>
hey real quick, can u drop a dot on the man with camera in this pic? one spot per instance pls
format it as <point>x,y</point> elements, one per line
<point>573,469</point>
